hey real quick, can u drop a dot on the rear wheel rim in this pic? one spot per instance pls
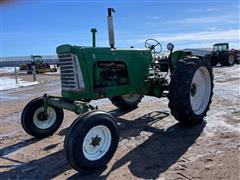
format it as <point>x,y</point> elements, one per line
<point>96,142</point>
<point>231,59</point>
<point>131,97</point>
<point>44,122</point>
<point>200,90</point>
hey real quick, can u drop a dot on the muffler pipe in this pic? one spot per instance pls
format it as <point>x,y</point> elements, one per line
<point>110,27</point>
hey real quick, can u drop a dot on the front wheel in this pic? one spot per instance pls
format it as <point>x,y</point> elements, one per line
<point>91,141</point>
<point>214,60</point>
<point>36,124</point>
<point>190,90</point>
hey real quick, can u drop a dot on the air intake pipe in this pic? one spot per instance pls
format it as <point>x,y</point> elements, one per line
<point>110,27</point>
<point>93,30</point>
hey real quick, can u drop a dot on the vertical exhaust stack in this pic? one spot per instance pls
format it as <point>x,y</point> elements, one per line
<point>110,27</point>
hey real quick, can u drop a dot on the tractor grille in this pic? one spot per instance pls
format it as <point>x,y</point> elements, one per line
<point>70,71</point>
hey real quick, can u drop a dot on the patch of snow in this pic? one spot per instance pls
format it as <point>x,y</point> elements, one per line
<point>9,83</point>
<point>8,69</point>
<point>4,97</point>
<point>216,120</point>
<point>58,72</point>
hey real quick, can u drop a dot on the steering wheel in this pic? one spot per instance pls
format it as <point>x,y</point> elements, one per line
<point>152,44</point>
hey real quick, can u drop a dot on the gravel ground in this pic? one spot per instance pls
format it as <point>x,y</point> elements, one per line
<point>152,144</point>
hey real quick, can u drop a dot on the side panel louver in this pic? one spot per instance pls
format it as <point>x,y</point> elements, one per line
<point>70,71</point>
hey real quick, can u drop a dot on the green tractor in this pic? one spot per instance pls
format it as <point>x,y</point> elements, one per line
<point>123,76</point>
<point>222,55</point>
<point>39,64</point>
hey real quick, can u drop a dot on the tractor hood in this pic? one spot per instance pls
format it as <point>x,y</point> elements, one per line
<point>66,48</point>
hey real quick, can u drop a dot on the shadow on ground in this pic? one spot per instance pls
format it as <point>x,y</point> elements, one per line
<point>148,160</point>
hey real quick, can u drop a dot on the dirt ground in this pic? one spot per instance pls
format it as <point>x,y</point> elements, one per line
<point>152,144</point>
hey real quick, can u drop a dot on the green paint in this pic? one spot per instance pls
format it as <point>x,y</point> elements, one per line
<point>137,63</point>
<point>112,72</point>
<point>175,57</point>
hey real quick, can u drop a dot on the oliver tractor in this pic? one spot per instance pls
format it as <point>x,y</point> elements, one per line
<point>222,55</point>
<point>123,76</point>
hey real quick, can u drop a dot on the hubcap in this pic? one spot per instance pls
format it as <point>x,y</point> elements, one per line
<point>97,142</point>
<point>131,97</point>
<point>42,121</point>
<point>200,91</point>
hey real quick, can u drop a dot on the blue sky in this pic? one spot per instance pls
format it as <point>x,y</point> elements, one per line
<point>38,27</point>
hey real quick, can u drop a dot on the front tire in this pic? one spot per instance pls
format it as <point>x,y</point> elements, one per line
<point>127,101</point>
<point>34,122</point>
<point>214,60</point>
<point>190,90</point>
<point>91,141</point>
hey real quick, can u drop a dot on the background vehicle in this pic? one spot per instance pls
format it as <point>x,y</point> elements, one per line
<point>40,65</point>
<point>236,53</point>
<point>222,55</point>
<point>123,76</point>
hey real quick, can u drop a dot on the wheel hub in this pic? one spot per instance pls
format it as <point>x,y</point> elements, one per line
<point>193,89</point>
<point>43,121</point>
<point>42,117</point>
<point>95,141</point>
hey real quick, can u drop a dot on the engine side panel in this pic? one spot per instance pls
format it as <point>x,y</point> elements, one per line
<point>108,72</point>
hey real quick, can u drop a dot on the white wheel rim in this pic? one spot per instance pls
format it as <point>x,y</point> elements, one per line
<point>231,59</point>
<point>131,97</point>
<point>97,142</point>
<point>44,123</point>
<point>200,90</point>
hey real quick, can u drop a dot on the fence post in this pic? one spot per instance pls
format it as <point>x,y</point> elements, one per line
<point>15,70</point>
<point>34,72</point>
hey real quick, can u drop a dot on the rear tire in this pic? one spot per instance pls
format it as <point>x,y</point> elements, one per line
<point>91,141</point>
<point>190,90</point>
<point>227,59</point>
<point>126,102</point>
<point>35,124</point>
